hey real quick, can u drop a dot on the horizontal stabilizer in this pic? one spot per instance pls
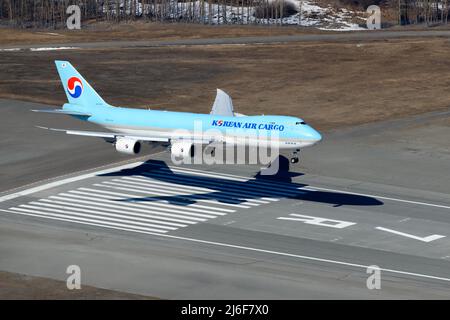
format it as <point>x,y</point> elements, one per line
<point>62,111</point>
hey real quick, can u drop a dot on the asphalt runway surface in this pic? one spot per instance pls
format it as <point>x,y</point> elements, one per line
<point>371,195</point>
<point>369,35</point>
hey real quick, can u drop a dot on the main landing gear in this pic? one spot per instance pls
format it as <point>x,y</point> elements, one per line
<point>295,156</point>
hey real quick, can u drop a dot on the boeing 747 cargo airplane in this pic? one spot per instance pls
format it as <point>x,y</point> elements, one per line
<point>181,130</point>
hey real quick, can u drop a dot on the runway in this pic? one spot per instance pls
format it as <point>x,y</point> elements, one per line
<point>147,226</point>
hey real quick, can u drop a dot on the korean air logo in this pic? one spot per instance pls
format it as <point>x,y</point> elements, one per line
<point>74,87</point>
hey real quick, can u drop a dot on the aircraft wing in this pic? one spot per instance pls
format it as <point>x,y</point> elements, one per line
<point>223,105</point>
<point>112,136</point>
<point>108,135</point>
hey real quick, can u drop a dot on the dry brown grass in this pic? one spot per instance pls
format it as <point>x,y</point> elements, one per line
<point>17,286</point>
<point>330,85</point>
<point>141,31</point>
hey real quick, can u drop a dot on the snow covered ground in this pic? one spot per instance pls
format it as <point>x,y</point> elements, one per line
<point>309,14</point>
<point>40,49</point>
<point>324,18</point>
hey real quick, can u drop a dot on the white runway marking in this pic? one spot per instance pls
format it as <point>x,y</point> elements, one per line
<point>165,195</point>
<point>156,202</point>
<point>381,197</point>
<point>424,239</point>
<point>318,221</point>
<point>141,212</point>
<point>61,182</point>
<point>312,188</point>
<point>228,245</point>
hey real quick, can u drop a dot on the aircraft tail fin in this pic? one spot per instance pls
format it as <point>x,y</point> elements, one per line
<point>78,91</point>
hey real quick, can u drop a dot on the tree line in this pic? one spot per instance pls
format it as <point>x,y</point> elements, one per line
<point>52,13</point>
<point>423,11</point>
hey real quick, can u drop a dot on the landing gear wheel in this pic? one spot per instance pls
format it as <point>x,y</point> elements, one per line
<point>294,160</point>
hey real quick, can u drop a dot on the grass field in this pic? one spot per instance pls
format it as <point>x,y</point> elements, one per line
<point>17,286</point>
<point>105,31</point>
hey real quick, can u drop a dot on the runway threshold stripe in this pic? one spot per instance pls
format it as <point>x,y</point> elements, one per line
<point>193,170</point>
<point>164,193</point>
<point>205,174</point>
<point>171,191</point>
<point>224,175</point>
<point>192,207</point>
<point>194,216</point>
<point>112,201</point>
<point>212,180</point>
<point>250,184</point>
<point>114,197</point>
<point>268,183</point>
<point>105,217</point>
<point>251,190</point>
<point>137,179</point>
<point>108,226</point>
<point>181,187</point>
<point>168,194</point>
<point>154,203</point>
<point>129,211</point>
<point>248,189</point>
<point>76,219</point>
<point>137,217</point>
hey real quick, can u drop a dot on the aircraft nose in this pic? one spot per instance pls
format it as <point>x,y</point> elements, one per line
<point>314,135</point>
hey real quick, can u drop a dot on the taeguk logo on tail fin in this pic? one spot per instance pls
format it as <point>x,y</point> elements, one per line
<point>74,87</point>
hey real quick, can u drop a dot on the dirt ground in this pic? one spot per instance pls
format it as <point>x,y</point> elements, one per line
<point>17,286</point>
<point>330,85</point>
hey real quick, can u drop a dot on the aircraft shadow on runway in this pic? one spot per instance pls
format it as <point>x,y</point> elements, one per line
<point>279,185</point>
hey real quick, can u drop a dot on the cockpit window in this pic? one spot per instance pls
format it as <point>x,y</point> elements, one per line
<point>300,122</point>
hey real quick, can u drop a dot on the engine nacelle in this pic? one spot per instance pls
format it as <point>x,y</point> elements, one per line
<point>182,149</point>
<point>128,146</point>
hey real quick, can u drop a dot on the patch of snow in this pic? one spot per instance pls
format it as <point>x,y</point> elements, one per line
<point>309,14</point>
<point>10,49</point>
<point>50,33</point>
<point>54,48</point>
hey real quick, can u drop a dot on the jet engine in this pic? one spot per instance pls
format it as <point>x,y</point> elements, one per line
<point>182,149</point>
<point>128,146</point>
